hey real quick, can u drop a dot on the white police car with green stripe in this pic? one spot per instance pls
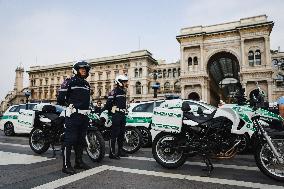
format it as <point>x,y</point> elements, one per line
<point>140,114</point>
<point>10,122</point>
<point>18,119</point>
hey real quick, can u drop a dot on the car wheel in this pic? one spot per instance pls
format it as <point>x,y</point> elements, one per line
<point>9,129</point>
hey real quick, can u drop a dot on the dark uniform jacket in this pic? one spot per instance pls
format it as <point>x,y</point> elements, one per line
<point>117,97</point>
<point>74,91</point>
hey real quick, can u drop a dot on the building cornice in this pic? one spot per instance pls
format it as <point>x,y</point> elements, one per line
<point>245,23</point>
<point>96,61</point>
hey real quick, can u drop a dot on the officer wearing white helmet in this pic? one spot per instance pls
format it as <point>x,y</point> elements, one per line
<point>116,105</point>
<point>75,95</point>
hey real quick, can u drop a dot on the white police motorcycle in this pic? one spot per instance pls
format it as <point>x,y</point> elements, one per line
<point>216,136</point>
<point>48,130</point>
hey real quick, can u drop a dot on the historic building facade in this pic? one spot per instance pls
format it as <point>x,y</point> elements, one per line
<point>215,61</point>
<point>139,66</point>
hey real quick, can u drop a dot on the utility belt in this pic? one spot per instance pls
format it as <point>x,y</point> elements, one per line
<point>116,109</point>
<point>71,109</point>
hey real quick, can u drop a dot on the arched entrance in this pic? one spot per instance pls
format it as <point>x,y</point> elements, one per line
<point>194,96</point>
<point>223,69</point>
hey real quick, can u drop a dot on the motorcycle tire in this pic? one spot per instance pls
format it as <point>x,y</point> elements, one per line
<point>96,147</point>
<point>36,135</point>
<point>159,155</point>
<point>132,140</point>
<point>261,159</point>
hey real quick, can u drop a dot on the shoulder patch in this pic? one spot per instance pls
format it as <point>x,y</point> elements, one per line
<point>65,83</point>
<point>111,93</point>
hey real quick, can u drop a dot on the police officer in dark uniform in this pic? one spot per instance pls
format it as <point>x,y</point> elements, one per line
<point>116,104</point>
<point>75,94</point>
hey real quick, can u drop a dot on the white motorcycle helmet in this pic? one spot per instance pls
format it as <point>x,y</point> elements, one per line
<point>119,79</point>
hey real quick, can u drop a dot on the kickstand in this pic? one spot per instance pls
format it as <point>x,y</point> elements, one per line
<point>209,166</point>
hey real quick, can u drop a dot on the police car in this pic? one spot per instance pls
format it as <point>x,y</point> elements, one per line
<point>9,121</point>
<point>18,119</point>
<point>140,114</point>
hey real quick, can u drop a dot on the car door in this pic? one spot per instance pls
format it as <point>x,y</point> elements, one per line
<point>25,119</point>
<point>140,114</point>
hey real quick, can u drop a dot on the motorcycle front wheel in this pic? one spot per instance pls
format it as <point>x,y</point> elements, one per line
<point>267,162</point>
<point>37,141</point>
<point>95,146</point>
<point>133,140</point>
<point>166,153</point>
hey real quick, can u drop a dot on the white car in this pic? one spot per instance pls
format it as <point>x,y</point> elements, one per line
<point>195,107</point>
<point>9,122</point>
<point>140,114</point>
<point>17,119</point>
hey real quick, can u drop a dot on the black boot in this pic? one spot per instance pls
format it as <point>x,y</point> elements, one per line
<point>112,154</point>
<point>67,168</point>
<point>79,164</point>
<point>121,152</point>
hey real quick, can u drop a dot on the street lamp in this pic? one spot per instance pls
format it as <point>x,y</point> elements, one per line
<point>156,85</point>
<point>27,93</point>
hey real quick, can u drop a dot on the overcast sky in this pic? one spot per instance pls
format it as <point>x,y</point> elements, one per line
<point>56,31</point>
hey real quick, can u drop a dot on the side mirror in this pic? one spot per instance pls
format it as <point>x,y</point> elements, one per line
<point>199,111</point>
<point>185,107</point>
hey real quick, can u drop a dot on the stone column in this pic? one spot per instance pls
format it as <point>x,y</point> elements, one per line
<point>269,90</point>
<point>144,88</point>
<point>48,93</point>
<point>95,90</point>
<point>182,64</point>
<point>207,93</point>
<point>243,60</point>
<point>267,51</point>
<point>202,63</point>
<point>182,91</point>
<point>103,89</point>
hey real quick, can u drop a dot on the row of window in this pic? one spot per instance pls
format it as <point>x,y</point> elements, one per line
<point>167,87</point>
<point>33,82</point>
<point>278,63</point>
<point>193,61</point>
<point>254,58</point>
<point>168,73</point>
<point>108,74</point>
<point>138,73</point>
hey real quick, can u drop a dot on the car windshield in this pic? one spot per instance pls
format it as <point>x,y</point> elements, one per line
<point>13,109</point>
<point>23,107</point>
<point>146,107</point>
